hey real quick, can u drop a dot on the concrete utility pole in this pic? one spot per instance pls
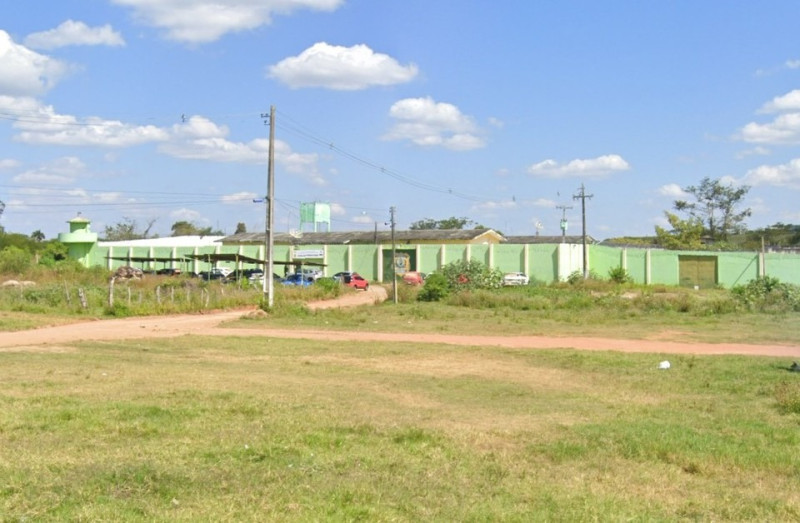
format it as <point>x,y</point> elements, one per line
<point>582,196</point>
<point>268,285</point>
<point>394,261</point>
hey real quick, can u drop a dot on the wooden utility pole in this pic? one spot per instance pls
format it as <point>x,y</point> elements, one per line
<point>582,196</point>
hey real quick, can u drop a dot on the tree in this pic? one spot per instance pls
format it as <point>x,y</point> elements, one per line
<point>37,236</point>
<point>184,228</point>
<point>447,223</point>
<point>240,228</point>
<point>127,229</point>
<point>716,206</point>
<point>685,234</point>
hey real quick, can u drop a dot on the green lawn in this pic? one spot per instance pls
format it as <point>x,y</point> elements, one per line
<point>254,429</point>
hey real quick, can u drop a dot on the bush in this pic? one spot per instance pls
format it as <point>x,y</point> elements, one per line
<point>619,275</point>
<point>436,288</point>
<point>471,275</point>
<point>768,294</point>
<point>14,260</point>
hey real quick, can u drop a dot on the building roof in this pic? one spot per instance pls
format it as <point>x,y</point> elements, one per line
<point>575,240</point>
<point>366,237</point>
<point>167,241</point>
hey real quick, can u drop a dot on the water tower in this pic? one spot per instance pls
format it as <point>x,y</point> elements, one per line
<point>315,213</point>
<point>80,240</point>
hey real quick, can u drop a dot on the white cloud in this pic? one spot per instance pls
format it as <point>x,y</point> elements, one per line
<point>495,205</point>
<point>24,72</point>
<point>62,171</point>
<point>74,33</point>
<point>428,123</point>
<point>544,202</point>
<point>793,64</point>
<point>200,21</point>
<point>188,215</point>
<point>201,139</point>
<point>8,163</point>
<point>786,175</point>
<point>788,102</point>
<point>785,129</point>
<point>755,151</point>
<point>337,209</point>
<point>341,68</point>
<point>363,218</point>
<point>40,124</point>
<point>673,190</point>
<point>240,197</point>
<point>593,167</point>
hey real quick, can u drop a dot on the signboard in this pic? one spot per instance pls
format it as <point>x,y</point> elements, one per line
<point>308,253</point>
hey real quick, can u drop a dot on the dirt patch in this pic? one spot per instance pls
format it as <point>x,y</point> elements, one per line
<point>58,338</point>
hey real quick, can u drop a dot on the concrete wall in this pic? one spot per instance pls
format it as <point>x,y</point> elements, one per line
<point>542,262</point>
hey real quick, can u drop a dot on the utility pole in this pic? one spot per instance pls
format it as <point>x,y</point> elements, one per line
<point>582,197</point>
<point>564,223</point>
<point>394,261</point>
<point>268,284</point>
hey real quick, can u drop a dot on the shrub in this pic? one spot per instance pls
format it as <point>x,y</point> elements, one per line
<point>768,294</point>
<point>619,275</point>
<point>436,288</point>
<point>14,260</point>
<point>470,275</point>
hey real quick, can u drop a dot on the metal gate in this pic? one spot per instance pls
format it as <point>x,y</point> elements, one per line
<point>697,271</point>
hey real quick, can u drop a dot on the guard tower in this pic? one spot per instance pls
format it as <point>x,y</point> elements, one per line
<point>315,213</point>
<point>80,239</point>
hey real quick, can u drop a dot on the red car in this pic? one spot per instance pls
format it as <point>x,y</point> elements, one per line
<point>414,278</point>
<point>356,281</point>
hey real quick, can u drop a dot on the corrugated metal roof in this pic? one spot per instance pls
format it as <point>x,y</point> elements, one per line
<point>362,237</point>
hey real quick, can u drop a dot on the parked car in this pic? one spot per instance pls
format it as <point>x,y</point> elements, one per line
<point>414,277</point>
<point>311,272</point>
<point>257,278</point>
<point>515,278</point>
<point>356,281</point>
<point>169,271</point>
<point>343,276</point>
<point>298,279</point>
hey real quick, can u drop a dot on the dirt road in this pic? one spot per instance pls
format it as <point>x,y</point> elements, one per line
<point>59,338</point>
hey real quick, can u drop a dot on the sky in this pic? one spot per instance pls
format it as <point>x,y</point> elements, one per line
<point>154,111</point>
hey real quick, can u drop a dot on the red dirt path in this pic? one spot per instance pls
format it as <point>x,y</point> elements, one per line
<point>58,338</point>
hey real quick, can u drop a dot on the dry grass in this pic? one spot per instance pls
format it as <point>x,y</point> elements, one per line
<point>262,429</point>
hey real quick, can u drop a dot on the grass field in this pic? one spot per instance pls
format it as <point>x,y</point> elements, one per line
<point>257,429</point>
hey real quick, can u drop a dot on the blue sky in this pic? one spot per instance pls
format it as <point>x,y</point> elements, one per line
<point>495,111</point>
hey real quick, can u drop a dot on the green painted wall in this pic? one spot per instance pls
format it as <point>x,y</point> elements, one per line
<point>509,258</point>
<point>430,255</point>
<point>783,266</point>
<point>734,268</point>
<point>664,267</point>
<point>737,268</point>
<point>602,259</point>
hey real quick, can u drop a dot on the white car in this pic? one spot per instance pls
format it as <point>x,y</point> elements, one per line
<point>309,272</point>
<point>515,278</point>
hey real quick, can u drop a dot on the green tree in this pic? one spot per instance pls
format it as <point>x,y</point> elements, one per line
<point>127,229</point>
<point>685,234</point>
<point>37,236</point>
<point>184,228</point>
<point>240,228</point>
<point>447,223</point>
<point>716,206</point>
